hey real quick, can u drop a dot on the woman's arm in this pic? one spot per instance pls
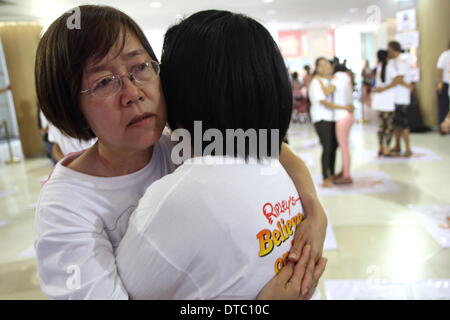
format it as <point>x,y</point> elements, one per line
<point>327,89</point>
<point>313,228</point>
<point>332,105</point>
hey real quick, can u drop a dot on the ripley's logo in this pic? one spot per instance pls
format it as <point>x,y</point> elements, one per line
<point>275,210</point>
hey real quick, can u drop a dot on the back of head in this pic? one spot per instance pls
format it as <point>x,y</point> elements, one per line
<point>382,55</point>
<point>225,70</point>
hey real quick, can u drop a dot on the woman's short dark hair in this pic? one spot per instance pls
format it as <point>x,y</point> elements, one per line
<point>62,55</point>
<point>226,70</point>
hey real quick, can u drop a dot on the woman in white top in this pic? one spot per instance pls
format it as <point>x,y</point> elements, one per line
<point>343,96</point>
<point>103,81</point>
<point>220,200</point>
<point>383,101</point>
<point>322,115</point>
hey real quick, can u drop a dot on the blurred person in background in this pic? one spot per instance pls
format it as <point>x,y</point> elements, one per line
<point>402,97</point>
<point>383,101</point>
<point>322,115</point>
<point>343,96</point>
<point>366,75</point>
<point>442,85</point>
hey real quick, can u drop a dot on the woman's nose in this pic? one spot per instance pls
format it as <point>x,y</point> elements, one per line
<point>130,92</point>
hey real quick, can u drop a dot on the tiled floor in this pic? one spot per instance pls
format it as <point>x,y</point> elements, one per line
<point>378,235</point>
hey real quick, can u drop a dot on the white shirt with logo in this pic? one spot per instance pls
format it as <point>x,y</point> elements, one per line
<point>217,228</point>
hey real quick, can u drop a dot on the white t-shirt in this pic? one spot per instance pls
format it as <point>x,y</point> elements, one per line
<point>402,65</point>
<point>343,95</point>
<point>444,64</point>
<point>384,101</point>
<point>209,231</point>
<point>318,111</point>
<point>80,220</point>
<point>67,144</point>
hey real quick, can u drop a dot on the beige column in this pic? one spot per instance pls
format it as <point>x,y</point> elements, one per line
<point>433,18</point>
<point>20,42</point>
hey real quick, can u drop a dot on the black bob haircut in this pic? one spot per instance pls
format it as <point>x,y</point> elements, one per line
<point>225,70</point>
<point>62,55</point>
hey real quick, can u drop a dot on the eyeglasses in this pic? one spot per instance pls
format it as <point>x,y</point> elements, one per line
<point>109,85</point>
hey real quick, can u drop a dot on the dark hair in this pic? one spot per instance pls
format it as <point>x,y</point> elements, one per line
<point>382,56</point>
<point>340,67</point>
<point>294,75</point>
<point>317,64</point>
<point>395,45</point>
<point>62,55</point>
<point>226,70</point>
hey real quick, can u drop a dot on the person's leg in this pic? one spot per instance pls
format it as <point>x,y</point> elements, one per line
<point>333,147</point>
<point>381,131</point>
<point>408,151</point>
<point>443,104</point>
<point>405,130</point>
<point>343,128</point>
<point>397,131</point>
<point>389,129</point>
<point>321,132</point>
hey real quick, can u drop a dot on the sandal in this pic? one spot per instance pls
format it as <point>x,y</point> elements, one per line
<point>342,181</point>
<point>408,154</point>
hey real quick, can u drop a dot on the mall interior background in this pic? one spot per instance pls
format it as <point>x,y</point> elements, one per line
<point>304,30</point>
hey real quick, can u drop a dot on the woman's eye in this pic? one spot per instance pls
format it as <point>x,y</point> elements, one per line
<point>141,67</point>
<point>104,82</point>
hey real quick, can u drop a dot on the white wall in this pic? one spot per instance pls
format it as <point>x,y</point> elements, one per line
<point>156,39</point>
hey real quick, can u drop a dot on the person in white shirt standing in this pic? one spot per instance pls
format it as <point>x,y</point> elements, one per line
<point>442,86</point>
<point>383,101</point>
<point>343,96</point>
<point>402,99</point>
<point>322,115</point>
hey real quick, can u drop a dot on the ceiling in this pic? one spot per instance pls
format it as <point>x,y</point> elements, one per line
<point>287,14</point>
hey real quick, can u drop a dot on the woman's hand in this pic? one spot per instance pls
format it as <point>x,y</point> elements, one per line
<point>379,90</point>
<point>310,232</point>
<point>287,284</point>
<point>350,108</point>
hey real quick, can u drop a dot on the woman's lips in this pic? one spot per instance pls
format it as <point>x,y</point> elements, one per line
<point>140,120</point>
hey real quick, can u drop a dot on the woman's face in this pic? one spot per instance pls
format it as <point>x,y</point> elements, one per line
<point>115,119</point>
<point>324,68</point>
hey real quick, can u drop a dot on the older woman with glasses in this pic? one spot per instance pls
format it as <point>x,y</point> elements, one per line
<point>102,81</point>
